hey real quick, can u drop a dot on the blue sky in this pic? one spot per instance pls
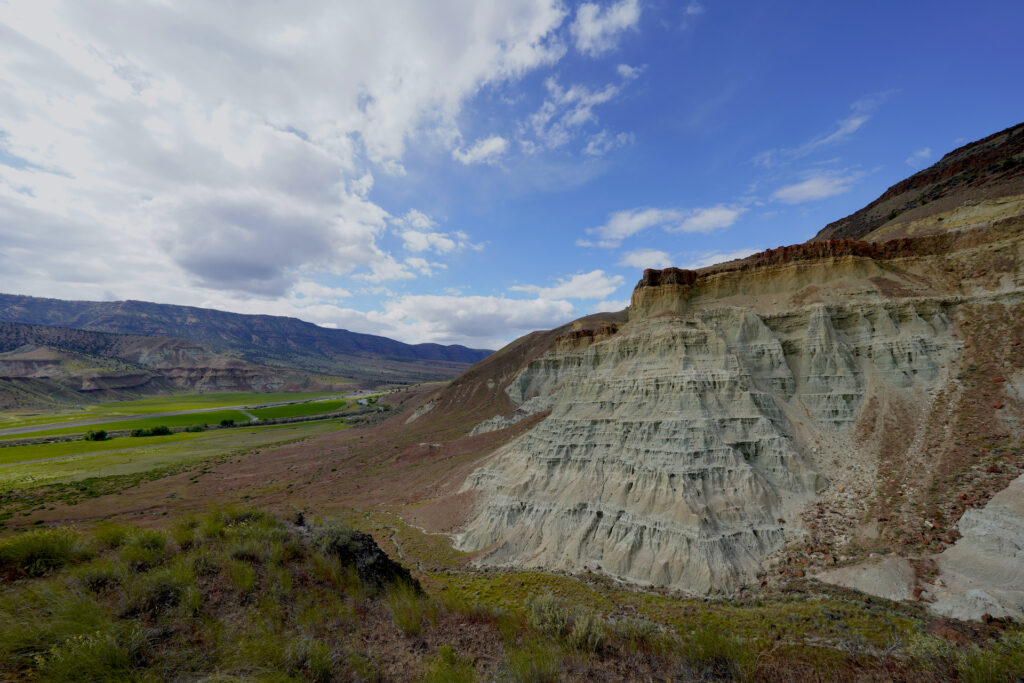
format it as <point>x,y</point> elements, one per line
<point>461,171</point>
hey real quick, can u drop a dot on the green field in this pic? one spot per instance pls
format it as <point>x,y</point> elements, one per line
<point>298,409</point>
<point>159,404</point>
<point>82,459</point>
<point>211,418</point>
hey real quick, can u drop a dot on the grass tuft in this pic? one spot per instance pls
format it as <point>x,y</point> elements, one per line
<point>448,667</point>
<point>41,551</point>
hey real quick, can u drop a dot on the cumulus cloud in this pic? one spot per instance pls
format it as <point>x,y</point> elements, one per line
<point>646,258</point>
<point>486,150</point>
<point>709,219</point>
<point>597,30</point>
<point>623,224</point>
<point>818,185</point>
<point>593,285</point>
<point>481,321</point>
<point>116,125</point>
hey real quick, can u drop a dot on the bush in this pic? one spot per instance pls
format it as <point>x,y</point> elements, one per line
<point>144,548</point>
<point>535,663</point>
<point>38,552</point>
<point>1002,661</point>
<point>196,428</point>
<point>311,659</point>
<point>587,633</point>
<point>99,656</point>
<point>548,616</point>
<point>152,431</point>
<point>160,590</point>
<point>110,534</point>
<point>98,435</point>
<point>227,423</point>
<point>408,608</point>
<point>448,667</point>
<point>710,652</point>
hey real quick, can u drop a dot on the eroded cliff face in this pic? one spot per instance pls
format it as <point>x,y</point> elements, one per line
<point>678,447</point>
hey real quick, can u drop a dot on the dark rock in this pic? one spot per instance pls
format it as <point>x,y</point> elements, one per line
<point>357,549</point>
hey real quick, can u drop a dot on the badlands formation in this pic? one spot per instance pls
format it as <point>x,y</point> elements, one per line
<point>847,410</point>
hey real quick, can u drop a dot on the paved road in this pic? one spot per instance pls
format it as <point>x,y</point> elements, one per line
<point>125,418</point>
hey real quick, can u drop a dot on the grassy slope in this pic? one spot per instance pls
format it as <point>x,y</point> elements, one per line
<point>237,593</point>
<point>298,409</point>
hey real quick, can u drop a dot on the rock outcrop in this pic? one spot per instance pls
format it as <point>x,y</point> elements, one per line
<point>676,449</point>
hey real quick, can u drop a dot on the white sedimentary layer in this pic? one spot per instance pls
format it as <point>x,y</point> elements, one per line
<point>676,448</point>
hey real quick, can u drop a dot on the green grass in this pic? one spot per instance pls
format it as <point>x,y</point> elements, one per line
<point>212,417</point>
<point>128,456</point>
<point>298,409</point>
<point>157,404</point>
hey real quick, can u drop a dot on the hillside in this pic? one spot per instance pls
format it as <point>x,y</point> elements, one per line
<point>799,412</point>
<point>259,339</point>
<point>51,366</point>
<point>973,185</point>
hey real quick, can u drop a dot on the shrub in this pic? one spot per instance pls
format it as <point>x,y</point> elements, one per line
<point>242,576</point>
<point>1002,661</point>
<point>587,633</point>
<point>110,534</point>
<point>144,548</point>
<point>548,616</point>
<point>100,656</point>
<point>152,431</point>
<point>636,632</point>
<point>98,435</point>
<point>160,590</point>
<point>196,428</point>
<point>448,667</point>
<point>38,552</point>
<point>227,423</point>
<point>38,615</point>
<point>408,607</point>
<point>102,574</point>
<point>534,663</point>
<point>711,652</point>
<point>310,658</point>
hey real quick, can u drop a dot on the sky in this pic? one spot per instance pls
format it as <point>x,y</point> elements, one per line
<point>462,171</point>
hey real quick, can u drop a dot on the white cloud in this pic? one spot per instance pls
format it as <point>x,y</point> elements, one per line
<point>919,158</point>
<point>563,113</point>
<point>603,142</point>
<point>695,9</point>
<point>630,72</point>
<point>709,219</point>
<point>597,30</point>
<point>479,321</point>
<point>593,285</point>
<point>861,112</point>
<point>483,151</point>
<point>706,259</point>
<point>187,151</point>
<point>646,258</point>
<point>817,186</point>
<point>609,306</point>
<point>623,224</point>
<point>423,266</point>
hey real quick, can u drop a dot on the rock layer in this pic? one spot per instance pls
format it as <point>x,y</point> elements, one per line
<point>676,449</point>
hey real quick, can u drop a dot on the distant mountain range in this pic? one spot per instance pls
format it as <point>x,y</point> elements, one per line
<point>184,347</point>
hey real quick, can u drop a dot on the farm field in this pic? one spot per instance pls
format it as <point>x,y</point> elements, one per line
<point>184,420</point>
<point>25,466</point>
<point>298,409</point>
<point>159,404</point>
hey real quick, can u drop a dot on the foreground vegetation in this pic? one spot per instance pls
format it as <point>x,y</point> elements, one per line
<point>239,594</point>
